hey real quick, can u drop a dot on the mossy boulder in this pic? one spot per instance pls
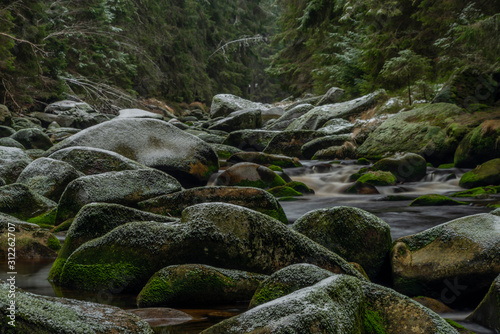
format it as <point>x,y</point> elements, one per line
<point>153,143</point>
<point>250,140</point>
<point>9,142</point>
<point>217,234</point>
<point>74,114</point>
<point>366,183</point>
<point>89,160</point>
<point>211,138</point>
<point>477,192</point>
<point>32,138</point>
<point>454,262</point>
<point>125,187</point>
<point>480,145</point>
<point>6,131</point>
<point>95,220</point>
<point>488,311</point>
<point>309,149</point>
<point>265,159</point>
<point>429,130</point>
<point>334,305</point>
<point>389,312</point>
<point>37,314</point>
<point>251,198</point>
<point>284,191</point>
<point>289,116</point>
<point>290,143</point>
<point>194,285</point>
<point>483,175</point>
<point>288,280</point>
<point>247,174</point>
<point>5,115</point>
<point>435,200</point>
<point>225,104</point>
<point>337,126</point>
<point>12,162</point>
<point>354,234</point>
<point>344,151</point>
<point>239,120</point>
<point>224,151</point>
<point>21,202</point>
<point>301,187</point>
<point>48,177</point>
<point>19,123</point>
<point>318,116</point>
<point>407,167</point>
<point>32,242</point>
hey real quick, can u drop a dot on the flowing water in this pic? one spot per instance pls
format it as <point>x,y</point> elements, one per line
<point>329,182</point>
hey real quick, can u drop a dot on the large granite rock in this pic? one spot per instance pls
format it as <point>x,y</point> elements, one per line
<point>153,143</point>
<point>290,143</point>
<point>126,187</point>
<point>37,314</point>
<point>12,162</point>
<point>239,120</point>
<point>454,262</point>
<point>265,159</point>
<point>89,160</point>
<point>224,104</point>
<point>251,198</point>
<point>479,145</point>
<point>488,311</point>
<point>406,167</point>
<point>430,131</point>
<point>195,285</point>
<point>289,116</point>
<point>48,177</point>
<point>32,139</point>
<point>356,235</point>
<point>21,202</point>
<point>217,234</point>
<point>487,174</point>
<point>95,220</point>
<point>250,140</point>
<point>247,174</point>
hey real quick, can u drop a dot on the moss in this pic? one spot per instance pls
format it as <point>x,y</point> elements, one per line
<point>378,178</point>
<point>476,192</point>
<point>284,191</point>
<point>64,226</point>
<point>276,182</point>
<point>300,187</point>
<point>270,292</point>
<point>483,175</point>
<point>48,218</point>
<point>435,200</point>
<point>373,323</point>
<point>53,243</point>
<point>275,168</point>
<point>445,166</point>
<point>358,174</point>
<point>454,324</point>
<point>363,161</point>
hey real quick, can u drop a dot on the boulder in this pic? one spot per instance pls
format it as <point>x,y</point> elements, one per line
<point>290,143</point>
<point>239,120</point>
<point>334,305</point>
<point>125,187</point>
<point>89,160</point>
<point>432,131</point>
<point>73,114</point>
<point>265,159</point>
<point>318,116</point>
<point>435,200</point>
<point>224,104</point>
<point>247,174</point>
<point>95,220</point>
<point>48,177</point>
<point>454,262</point>
<point>9,142</point>
<point>345,151</point>
<point>251,198</point>
<point>354,234</point>
<point>289,116</point>
<point>31,242</point>
<point>6,131</point>
<point>250,140</point>
<point>337,126</point>
<point>58,134</point>
<point>161,316</point>
<point>288,280</point>
<point>488,311</point>
<point>217,234</point>
<point>21,202</point>
<point>284,191</point>
<point>271,114</point>
<point>153,143</point>
<point>367,182</point>
<point>310,148</point>
<point>483,175</point>
<point>42,315</point>
<point>333,95</point>
<point>211,138</point>
<point>224,151</point>
<point>138,113</point>
<point>19,123</point>
<point>479,145</point>
<point>407,167</point>
<point>195,285</point>
<point>32,139</point>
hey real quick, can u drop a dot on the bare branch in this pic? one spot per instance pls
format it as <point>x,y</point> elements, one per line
<point>242,41</point>
<point>33,46</point>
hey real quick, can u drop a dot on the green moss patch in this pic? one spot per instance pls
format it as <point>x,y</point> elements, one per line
<point>378,178</point>
<point>284,191</point>
<point>435,200</point>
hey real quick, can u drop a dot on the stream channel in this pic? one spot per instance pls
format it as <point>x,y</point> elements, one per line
<point>329,181</point>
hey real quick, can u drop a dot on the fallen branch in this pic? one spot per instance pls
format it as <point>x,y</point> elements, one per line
<point>244,40</point>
